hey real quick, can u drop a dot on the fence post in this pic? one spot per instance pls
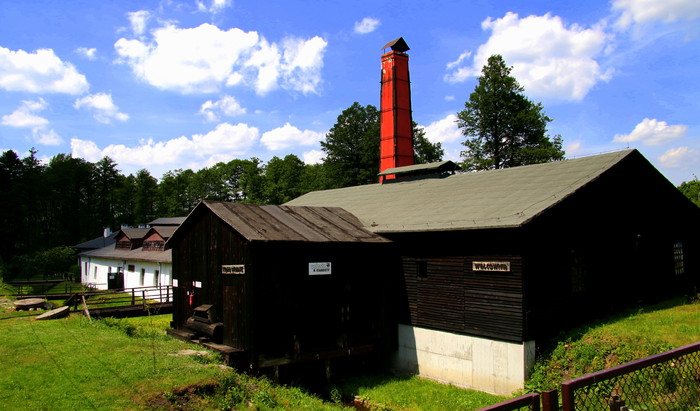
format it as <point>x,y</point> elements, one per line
<point>133,296</point>
<point>550,400</point>
<point>143,298</point>
<point>567,398</point>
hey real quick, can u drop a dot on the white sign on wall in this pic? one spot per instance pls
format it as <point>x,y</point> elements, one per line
<point>491,266</point>
<point>174,282</point>
<point>233,269</point>
<point>320,268</point>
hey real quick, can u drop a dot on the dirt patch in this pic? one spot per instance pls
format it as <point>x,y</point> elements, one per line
<point>188,397</point>
<point>191,352</point>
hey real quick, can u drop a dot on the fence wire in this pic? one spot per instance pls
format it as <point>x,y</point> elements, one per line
<point>669,381</point>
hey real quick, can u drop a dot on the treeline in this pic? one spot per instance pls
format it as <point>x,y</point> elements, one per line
<point>70,200</point>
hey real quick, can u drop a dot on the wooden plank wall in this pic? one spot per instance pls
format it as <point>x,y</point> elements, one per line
<point>454,298</point>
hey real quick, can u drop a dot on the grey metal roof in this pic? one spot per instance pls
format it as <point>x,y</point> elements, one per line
<point>488,199</point>
<point>97,242</point>
<point>173,221</point>
<point>283,223</point>
<point>439,167</point>
<point>110,252</point>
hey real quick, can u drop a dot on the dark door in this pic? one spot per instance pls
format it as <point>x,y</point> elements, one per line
<point>115,280</point>
<point>235,312</point>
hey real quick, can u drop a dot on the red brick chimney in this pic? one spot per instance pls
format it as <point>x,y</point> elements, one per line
<point>396,137</point>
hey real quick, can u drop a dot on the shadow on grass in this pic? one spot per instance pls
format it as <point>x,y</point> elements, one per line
<point>577,331</point>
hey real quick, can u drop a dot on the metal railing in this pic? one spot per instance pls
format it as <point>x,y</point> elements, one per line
<point>668,381</point>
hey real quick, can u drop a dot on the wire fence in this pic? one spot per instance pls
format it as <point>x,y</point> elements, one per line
<point>665,382</point>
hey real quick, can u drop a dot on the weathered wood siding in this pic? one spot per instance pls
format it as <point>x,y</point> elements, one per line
<point>450,296</point>
<point>198,257</point>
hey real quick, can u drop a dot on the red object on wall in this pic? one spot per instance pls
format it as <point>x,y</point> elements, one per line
<point>396,136</point>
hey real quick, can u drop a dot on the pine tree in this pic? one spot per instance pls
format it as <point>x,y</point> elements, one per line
<point>504,128</point>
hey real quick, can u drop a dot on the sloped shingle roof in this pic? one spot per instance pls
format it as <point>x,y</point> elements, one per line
<point>130,255</point>
<point>167,221</point>
<point>282,223</point>
<point>498,198</point>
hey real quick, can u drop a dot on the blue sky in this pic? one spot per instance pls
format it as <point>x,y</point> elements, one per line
<point>165,85</point>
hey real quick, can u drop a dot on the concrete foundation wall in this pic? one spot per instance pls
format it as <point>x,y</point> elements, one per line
<point>495,367</point>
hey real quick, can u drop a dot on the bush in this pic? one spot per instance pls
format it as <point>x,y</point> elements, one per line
<point>51,263</point>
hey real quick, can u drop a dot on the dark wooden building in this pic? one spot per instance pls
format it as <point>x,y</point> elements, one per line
<point>287,284</point>
<point>494,262</point>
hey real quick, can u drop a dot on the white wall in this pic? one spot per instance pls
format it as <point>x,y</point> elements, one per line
<point>491,366</point>
<point>94,271</point>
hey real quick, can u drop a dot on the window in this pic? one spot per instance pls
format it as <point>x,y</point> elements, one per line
<point>422,269</point>
<point>678,258</point>
<point>94,274</point>
<point>156,278</point>
<point>131,268</point>
<point>143,276</point>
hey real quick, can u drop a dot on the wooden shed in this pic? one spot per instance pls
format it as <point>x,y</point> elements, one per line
<point>288,284</point>
<point>496,262</point>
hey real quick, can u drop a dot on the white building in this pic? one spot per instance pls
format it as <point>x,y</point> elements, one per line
<point>137,260</point>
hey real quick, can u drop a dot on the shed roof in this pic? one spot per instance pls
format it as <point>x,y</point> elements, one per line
<point>507,197</point>
<point>111,252</point>
<point>283,223</point>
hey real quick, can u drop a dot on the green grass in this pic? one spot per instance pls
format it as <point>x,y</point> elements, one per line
<point>130,364</point>
<point>644,332</point>
<point>414,393</point>
<point>76,364</point>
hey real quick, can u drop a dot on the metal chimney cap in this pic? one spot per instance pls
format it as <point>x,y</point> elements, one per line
<point>398,44</point>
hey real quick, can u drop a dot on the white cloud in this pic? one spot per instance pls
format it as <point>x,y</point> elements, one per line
<point>47,137</point>
<point>680,157</point>
<point>215,6</point>
<point>227,105</point>
<point>574,148</point>
<point>290,136</point>
<point>444,130</point>
<point>302,61</point>
<point>139,20</point>
<point>461,73</point>
<point>652,132</point>
<point>24,116</point>
<point>549,59</point>
<point>103,108</point>
<point>313,157</point>
<point>88,53</point>
<point>645,11</point>
<point>39,72</point>
<point>195,152</point>
<point>203,59</point>
<point>366,25</point>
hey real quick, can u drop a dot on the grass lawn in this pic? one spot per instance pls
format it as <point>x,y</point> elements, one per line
<point>621,339</point>
<point>414,393</point>
<point>72,364</point>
